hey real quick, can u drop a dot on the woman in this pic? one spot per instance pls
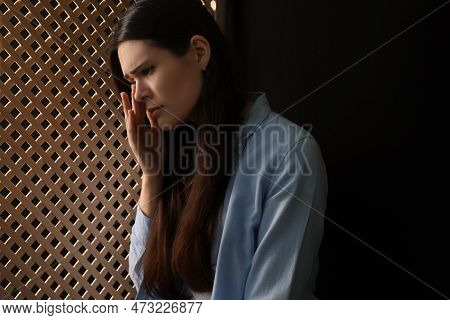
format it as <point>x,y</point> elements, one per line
<point>250,233</point>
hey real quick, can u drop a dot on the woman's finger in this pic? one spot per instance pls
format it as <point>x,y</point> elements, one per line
<point>138,107</point>
<point>124,97</point>
<point>129,115</point>
<point>152,120</point>
<point>138,116</point>
<point>131,126</point>
<point>140,111</point>
<point>133,92</point>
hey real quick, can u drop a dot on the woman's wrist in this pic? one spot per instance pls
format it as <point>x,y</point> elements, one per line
<point>150,174</point>
<point>151,187</point>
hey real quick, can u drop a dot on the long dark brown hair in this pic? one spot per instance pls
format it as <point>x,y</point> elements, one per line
<point>179,245</point>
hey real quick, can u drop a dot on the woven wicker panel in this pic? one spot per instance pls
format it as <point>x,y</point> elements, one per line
<point>69,184</point>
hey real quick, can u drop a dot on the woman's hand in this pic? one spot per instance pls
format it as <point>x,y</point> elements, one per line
<point>146,143</point>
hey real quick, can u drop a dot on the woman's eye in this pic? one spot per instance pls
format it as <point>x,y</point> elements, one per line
<point>146,71</point>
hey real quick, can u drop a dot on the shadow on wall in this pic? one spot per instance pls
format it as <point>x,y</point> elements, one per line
<point>375,98</point>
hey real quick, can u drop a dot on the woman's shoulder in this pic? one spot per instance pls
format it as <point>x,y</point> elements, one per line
<point>278,136</point>
<point>288,131</point>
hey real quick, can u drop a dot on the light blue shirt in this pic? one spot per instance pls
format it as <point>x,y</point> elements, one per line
<point>267,244</point>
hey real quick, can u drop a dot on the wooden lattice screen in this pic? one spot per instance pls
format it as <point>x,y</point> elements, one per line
<point>69,184</point>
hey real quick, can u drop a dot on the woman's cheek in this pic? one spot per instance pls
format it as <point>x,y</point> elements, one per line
<point>166,85</point>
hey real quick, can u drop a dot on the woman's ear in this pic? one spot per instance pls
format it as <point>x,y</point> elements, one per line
<point>202,50</point>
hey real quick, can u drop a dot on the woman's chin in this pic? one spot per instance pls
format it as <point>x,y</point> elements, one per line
<point>167,123</point>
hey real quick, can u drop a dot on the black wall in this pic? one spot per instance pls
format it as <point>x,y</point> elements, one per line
<point>381,125</point>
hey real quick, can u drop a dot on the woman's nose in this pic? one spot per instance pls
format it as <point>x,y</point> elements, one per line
<point>141,92</point>
<point>138,97</point>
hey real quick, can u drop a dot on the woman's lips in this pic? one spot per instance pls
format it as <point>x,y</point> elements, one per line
<point>154,111</point>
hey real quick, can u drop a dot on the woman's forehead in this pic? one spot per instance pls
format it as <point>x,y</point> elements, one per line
<point>133,53</point>
<point>137,48</point>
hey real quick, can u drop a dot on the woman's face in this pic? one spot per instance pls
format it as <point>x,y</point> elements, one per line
<point>162,79</point>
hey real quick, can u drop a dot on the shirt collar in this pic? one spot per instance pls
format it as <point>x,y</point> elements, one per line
<point>256,115</point>
<point>254,118</point>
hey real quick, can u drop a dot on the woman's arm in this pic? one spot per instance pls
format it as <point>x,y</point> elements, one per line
<point>291,228</point>
<point>139,235</point>
<point>147,207</point>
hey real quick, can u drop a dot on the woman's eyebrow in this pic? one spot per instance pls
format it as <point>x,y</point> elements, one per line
<point>136,70</point>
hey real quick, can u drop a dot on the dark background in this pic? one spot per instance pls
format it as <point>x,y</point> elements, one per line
<point>381,126</point>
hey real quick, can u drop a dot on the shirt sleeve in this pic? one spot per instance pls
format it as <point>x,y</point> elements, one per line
<point>291,227</point>
<point>139,235</point>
